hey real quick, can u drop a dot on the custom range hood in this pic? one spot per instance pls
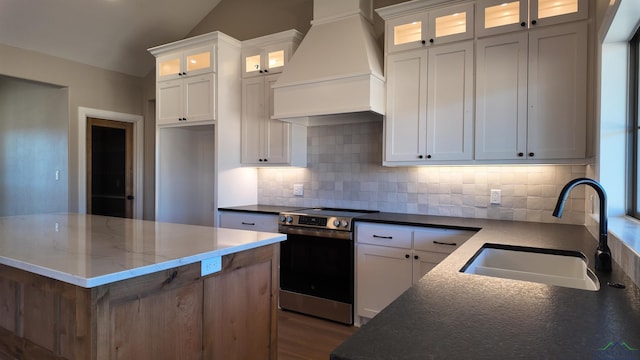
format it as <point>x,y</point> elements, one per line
<point>336,74</point>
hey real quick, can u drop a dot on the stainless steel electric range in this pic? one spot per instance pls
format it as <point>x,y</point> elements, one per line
<point>317,262</point>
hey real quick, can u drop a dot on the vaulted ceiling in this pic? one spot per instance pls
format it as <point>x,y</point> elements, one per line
<point>110,34</point>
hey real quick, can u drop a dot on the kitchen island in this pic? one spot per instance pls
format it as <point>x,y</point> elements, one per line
<point>454,315</point>
<point>92,287</point>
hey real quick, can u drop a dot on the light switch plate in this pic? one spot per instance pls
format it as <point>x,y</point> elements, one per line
<point>298,189</point>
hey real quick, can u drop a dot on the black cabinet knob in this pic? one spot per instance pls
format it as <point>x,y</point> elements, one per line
<point>423,42</point>
<point>260,160</point>
<point>533,22</point>
<point>265,160</point>
<point>428,156</point>
<point>266,70</point>
<point>416,257</point>
<point>531,154</point>
<point>406,256</point>
<point>523,24</point>
<point>431,41</point>
<point>420,156</point>
<point>520,154</point>
<point>129,197</point>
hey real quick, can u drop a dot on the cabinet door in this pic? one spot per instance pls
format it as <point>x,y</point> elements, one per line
<point>383,273</point>
<point>424,261</point>
<point>407,32</point>
<point>199,61</point>
<point>501,97</point>
<point>276,56</point>
<point>452,23</point>
<point>199,95</point>
<point>253,110</point>
<point>405,125</point>
<point>549,12</point>
<point>500,16</point>
<point>252,62</point>
<point>277,133</point>
<point>450,102</point>
<point>557,92</point>
<point>169,66</point>
<point>169,100</point>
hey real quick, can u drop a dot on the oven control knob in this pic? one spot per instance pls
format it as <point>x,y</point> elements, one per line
<point>344,223</point>
<point>289,219</point>
<point>336,222</point>
<point>283,218</point>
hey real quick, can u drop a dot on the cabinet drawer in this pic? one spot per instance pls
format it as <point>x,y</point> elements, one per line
<point>385,235</point>
<point>249,221</point>
<point>440,240</point>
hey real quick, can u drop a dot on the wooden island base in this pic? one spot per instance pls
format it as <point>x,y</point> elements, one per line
<point>171,314</point>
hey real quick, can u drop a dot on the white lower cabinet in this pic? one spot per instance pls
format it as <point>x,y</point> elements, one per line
<point>391,258</point>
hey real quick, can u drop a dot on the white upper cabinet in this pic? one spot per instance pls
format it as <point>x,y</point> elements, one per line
<point>268,54</point>
<point>186,81</point>
<point>440,26</point>
<point>430,105</point>
<point>186,100</point>
<point>267,141</point>
<point>184,63</point>
<point>500,16</point>
<point>557,92</point>
<point>501,97</point>
<point>531,94</point>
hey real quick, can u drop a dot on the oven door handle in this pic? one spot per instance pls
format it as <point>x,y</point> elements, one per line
<point>305,231</point>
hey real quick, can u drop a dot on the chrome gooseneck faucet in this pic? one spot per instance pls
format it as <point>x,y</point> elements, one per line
<point>603,254</point>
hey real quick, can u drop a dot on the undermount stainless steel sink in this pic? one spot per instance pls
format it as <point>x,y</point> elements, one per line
<point>547,266</point>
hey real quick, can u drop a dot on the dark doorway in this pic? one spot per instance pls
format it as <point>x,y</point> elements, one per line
<point>109,168</point>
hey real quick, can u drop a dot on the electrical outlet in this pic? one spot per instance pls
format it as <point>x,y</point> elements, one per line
<point>211,265</point>
<point>495,197</point>
<point>298,189</point>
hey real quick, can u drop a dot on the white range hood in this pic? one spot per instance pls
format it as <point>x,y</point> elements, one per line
<point>336,70</point>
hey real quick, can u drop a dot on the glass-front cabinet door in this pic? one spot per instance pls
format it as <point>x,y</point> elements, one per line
<point>549,12</point>
<point>267,60</point>
<point>187,63</point>
<point>501,16</point>
<point>407,32</point>
<point>453,23</point>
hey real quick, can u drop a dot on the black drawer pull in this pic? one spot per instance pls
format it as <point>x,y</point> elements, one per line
<point>247,223</point>
<point>444,243</point>
<point>383,237</point>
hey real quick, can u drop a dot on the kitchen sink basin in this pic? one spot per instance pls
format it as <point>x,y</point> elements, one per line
<point>547,266</point>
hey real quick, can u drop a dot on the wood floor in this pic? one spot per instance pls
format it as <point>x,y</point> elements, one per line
<point>307,338</point>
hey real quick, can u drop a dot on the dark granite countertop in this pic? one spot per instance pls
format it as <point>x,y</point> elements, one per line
<point>264,209</point>
<point>453,315</point>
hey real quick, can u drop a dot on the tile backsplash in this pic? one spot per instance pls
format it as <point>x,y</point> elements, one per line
<point>345,170</point>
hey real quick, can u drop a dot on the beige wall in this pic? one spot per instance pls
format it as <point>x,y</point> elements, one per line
<point>87,86</point>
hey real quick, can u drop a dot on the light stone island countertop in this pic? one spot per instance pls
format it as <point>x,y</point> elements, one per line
<point>92,250</point>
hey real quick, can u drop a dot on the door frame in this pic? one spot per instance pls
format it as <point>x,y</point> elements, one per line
<point>138,154</point>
